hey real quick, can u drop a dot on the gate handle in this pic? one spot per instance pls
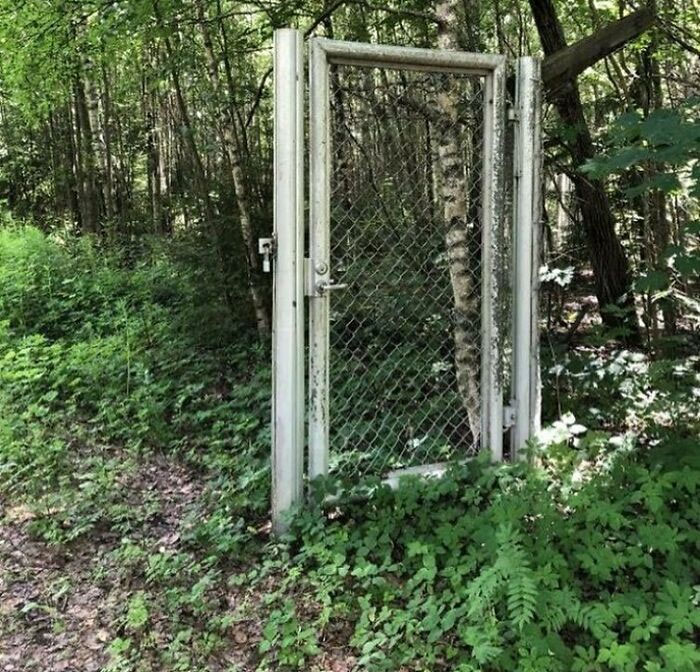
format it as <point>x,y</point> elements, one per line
<point>331,286</point>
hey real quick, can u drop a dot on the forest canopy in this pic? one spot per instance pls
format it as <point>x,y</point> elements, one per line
<point>154,116</point>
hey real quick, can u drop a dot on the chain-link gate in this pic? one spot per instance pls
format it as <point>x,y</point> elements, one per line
<point>405,349</point>
<point>410,261</point>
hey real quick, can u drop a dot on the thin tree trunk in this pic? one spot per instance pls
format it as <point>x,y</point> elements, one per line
<point>200,174</point>
<point>453,193</point>
<point>60,194</point>
<point>77,146</point>
<point>70,158</point>
<point>232,156</point>
<point>198,165</point>
<point>95,159</point>
<point>152,156</point>
<point>164,169</point>
<point>107,139</point>
<point>86,159</point>
<point>608,258</point>
<point>658,211</point>
<point>121,188</point>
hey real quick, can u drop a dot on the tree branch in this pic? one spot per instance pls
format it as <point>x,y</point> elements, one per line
<point>566,64</point>
<point>258,97</point>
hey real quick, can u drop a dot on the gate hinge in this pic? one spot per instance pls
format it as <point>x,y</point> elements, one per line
<point>508,417</point>
<point>266,249</point>
<point>513,114</point>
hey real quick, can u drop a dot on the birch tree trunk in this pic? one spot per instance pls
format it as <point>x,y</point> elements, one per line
<point>453,194</point>
<point>232,157</point>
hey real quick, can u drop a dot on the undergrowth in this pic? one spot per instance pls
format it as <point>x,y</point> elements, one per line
<point>585,559</point>
<point>505,569</point>
<point>111,352</point>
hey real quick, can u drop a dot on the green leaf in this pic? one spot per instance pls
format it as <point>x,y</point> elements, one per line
<point>680,656</point>
<point>652,281</point>
<point>666,182</point>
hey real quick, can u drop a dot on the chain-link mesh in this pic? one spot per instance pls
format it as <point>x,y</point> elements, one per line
<point>405,343</point>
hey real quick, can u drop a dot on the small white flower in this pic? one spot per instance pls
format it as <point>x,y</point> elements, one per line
<point>440,367</point>
<point>568,418</point>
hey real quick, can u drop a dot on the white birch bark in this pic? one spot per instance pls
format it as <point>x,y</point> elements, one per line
<point>453,194</point>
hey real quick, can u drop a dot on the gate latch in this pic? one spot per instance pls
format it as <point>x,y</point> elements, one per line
<point>330,286</point>
<point>317,279</point>
<point>266,248</point>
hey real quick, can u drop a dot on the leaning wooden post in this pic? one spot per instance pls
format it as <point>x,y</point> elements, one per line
<point>288,296</point>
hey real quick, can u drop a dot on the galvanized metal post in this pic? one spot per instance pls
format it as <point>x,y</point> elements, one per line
<point>288,296</point>
<point>492,208</point>
<point>319,246</point>
<point>536,252</point>
<point>527,210</point>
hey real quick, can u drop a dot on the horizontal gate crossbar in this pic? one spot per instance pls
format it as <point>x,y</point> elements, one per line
<point>394,479</point>
<point>434,60</point>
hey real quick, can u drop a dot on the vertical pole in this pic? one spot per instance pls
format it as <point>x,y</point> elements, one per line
<point>527,190</point>
<point>492,209</point>
<point>287,337</point>
<point>319,245</point>
<point>536,252</point>
<point>300,267</point>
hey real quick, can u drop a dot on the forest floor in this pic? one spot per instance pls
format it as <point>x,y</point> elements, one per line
<point>67,600</point>
<point>134,500</point>
<point>66,610</point>
<point>61,607</point>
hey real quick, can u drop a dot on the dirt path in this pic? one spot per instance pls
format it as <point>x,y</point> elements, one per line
<point>61,608</point>
<point>65,608</point>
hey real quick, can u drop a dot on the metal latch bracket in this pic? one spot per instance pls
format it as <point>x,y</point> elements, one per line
<point>316,280</point>
<point>310,279</point>
<point>266,249</point>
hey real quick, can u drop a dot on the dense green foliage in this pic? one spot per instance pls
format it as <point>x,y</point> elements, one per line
<point>101,349</point>
<point>667,144</point>
<point>512,570</point>
<point>587,561</point>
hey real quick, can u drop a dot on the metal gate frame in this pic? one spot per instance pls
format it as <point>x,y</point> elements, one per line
<point>527,217</point>
<point>295,277</point>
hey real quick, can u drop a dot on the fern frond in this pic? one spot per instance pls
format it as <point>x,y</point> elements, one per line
<point>522,597</point>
